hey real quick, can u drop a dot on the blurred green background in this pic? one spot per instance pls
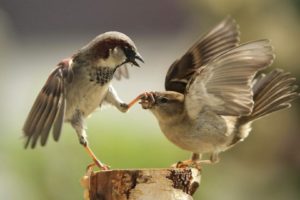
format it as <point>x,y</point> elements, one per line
<point>36,34</point>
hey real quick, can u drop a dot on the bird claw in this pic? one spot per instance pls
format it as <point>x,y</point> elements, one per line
<point>100,165</point>
<point>187,164</point>
<point>124,107</point>
<point>97,162</point>
<point>147,100</point>
<point>83,141</point>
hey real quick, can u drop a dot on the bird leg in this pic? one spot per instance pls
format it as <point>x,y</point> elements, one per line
<point>113,99</point>
<point>146,97</point>
<point>214,158</point>
<point>78,124</point>
<point>97,162</point>
<point>135,100</point>
<point>194,162</point>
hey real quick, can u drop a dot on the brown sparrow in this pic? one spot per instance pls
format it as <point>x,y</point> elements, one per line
<point>78,86</point>
<point>211,95</point>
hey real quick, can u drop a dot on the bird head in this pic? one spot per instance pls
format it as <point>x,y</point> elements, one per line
<point>110,49</point>
<point>164,105</point>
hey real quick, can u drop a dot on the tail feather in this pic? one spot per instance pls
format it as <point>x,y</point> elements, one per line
<point>271,92</point>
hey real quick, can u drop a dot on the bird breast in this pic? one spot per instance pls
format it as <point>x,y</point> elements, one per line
<point>87,91</point>
<point>101,75</point>
<point>208,133</point>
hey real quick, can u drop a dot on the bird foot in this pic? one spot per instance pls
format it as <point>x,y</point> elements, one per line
<point>124,107</point>
<point>99,164</point>
<point>135,100</point>
<point>187,164</point>
<point>148,100</point>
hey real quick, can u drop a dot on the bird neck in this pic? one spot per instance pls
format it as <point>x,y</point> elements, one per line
<point>177,116</point>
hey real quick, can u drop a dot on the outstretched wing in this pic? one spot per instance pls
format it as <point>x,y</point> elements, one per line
<point>49,108</point>
<point>220,39</point>
<point>224,84</point>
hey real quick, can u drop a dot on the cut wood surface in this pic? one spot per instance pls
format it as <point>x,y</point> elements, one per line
<point>142,184</point>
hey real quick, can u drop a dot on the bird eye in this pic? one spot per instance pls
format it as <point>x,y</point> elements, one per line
<point>164,100</point>
<point>129,52</point>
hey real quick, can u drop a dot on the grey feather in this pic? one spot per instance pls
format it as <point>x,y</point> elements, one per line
<point>47,106</point>
<point>272,92</point>
<point>57,127</point>
<point>52,114</point>
<point>220,39</point>
<point>225,83</point>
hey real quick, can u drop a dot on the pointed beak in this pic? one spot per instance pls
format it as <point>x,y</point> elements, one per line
<point>133,59</point>
<point>139,57</point>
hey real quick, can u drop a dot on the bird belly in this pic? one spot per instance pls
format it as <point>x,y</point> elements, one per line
<point>209,133</point>
<point>84,97</point>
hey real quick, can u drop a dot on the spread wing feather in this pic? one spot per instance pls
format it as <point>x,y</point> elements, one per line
<point>48,108</point>
<point>224,84</point>
<point>57,127</point>
<point>220,39</point>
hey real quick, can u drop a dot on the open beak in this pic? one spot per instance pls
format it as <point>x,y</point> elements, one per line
<point>133,59</point>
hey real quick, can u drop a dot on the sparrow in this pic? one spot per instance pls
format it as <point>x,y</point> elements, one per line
<point>78,86</point>
<point>213,94</point>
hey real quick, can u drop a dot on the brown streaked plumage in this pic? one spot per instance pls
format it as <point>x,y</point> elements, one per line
<point>211,101</point>
<point>78,86</point>
<point>221,38</point>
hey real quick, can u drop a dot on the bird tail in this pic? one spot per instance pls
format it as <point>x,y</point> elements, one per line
<point>271,92</point>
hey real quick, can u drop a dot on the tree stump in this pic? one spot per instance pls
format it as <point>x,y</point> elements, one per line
<point>142,184</point>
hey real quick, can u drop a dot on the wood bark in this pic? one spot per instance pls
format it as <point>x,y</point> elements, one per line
<point>142,184</point>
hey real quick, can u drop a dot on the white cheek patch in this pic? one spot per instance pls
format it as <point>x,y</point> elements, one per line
<point>116,57</point>
<point>115,51</point>
<point>106,63</point>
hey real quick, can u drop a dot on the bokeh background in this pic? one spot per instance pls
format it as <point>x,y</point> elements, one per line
<point>36,34</point>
